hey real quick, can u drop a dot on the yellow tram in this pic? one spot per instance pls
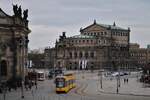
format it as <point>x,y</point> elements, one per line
<point>65,83</point>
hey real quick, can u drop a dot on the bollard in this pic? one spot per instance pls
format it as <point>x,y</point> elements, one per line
<point>32,94</point>
<point>4,96</point>
<point>22,90</point>
<point>4,92</point>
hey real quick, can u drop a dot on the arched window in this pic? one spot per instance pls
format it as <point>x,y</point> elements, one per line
<point>80,55</point>
<point>75,55</point>
<point>3,68</point>
<point>70,54</point>
<point>83,41</point>
<point>76,41</point>
<point>70,65</point>
<point>87,41</point>
<point>92,54</point>
<point>86,55</point>
<point>75,66</point>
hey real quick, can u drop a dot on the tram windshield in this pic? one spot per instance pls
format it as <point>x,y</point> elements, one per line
<point>60,82</point>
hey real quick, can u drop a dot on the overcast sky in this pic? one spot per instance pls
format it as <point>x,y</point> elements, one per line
<point>49,18</point>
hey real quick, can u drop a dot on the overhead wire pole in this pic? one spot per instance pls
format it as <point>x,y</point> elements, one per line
<point>120,59</point>
<point>118,69</point>
<point>114,61</point>
<point>101,72</point>
<point>21,44</point>
<point>101,82</point>
<point>1,53</point>
<point>117,84</point>
<point>118,77</point>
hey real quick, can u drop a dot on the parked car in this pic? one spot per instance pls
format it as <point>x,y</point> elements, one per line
<point>126,73</point>
<point>55,72</point>
<point>51,73</point>
<point>115,74</point>
<point>119,73</point>
<point>58,72</point>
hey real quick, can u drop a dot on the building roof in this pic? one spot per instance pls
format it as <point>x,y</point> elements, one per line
<point>81,36</point>
<point>105,26</point>
<point>3,14</point>
<point>112,26</point>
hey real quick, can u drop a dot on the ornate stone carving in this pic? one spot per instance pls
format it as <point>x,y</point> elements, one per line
<point>25,14</point>
<point>3,46</point>
<point>17,10</point>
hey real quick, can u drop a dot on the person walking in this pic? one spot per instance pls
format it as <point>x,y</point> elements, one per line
<point>26,82</point>
<point>124,80</point>
<point>127,80</point>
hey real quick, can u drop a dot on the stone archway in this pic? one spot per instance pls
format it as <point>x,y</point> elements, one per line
<point>3,68</point>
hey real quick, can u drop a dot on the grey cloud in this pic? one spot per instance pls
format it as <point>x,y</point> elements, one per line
<point>48,18</point>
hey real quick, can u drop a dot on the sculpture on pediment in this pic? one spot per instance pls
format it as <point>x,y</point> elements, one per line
<point>15,9</point>
<point>19,11</point>
<point>21,14</point>
<point>25,14</point>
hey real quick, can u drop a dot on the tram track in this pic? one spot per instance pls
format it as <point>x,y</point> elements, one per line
<point>81,89</point>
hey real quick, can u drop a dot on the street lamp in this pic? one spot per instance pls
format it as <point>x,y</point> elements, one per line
<point>101,78</point>
<point>118,68</point>
<point>0,64</point>
<point>117,84</point>
<point>119,63</point>
<point>21,46</point>
<point>101,81</point>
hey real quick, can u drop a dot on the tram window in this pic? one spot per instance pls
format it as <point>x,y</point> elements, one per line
<point>66,83</point>
<point>71,81</point>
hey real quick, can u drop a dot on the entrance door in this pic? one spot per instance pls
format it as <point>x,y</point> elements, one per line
<point>3,68</point>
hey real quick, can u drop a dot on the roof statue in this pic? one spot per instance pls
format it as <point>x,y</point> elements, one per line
<point>80,29</point>
<point>128,28</point>
<point>19,11</point>
<point>15,9</point>
<point>94,21</point>
<point>114,24</point>
<point>25,14</point>
<point>64,34</point>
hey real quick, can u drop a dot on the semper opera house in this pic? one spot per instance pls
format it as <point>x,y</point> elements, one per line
<point>98,46</point>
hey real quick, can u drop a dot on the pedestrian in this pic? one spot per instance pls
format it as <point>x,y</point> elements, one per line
<point>30,84</point>
<point>36,84</point>
<point>127,80</point>
<point>124,80</point>
<point>9,89</point>
<point>26,82</point>
<point>111,78</point>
